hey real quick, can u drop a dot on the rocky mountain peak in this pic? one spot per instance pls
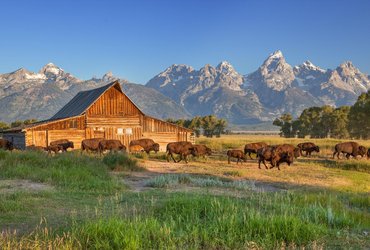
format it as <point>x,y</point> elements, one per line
<point>51,69</point>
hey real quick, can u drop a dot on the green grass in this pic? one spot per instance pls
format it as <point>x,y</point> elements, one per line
<point>173,180</point>
<point>67,171</point>
<point>197,221</point>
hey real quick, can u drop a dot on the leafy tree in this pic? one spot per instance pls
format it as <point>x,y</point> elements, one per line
<point>16,123</point>
<point>338,122</point>
<point>209,125</point>
<point>220,127</point>
<point>195,125</point>
<point>3,125</point>
<point>359,117</point>
<point>29,121</point>
<point>285,124</point>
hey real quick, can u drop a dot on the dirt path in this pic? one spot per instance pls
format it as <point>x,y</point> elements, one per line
<point>11,186</point>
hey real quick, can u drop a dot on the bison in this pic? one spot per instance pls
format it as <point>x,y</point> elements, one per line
<point>348,148</point>
<point>111,145</point>
<point>54,148</point>
<point>64,143</point>
<point>147,144</point>
<point>308,147</point>
<point>136,149</point>
<point>264,154</point>
<point>90,144</point>
<point>368,153</point>
<point>253,148</point>
<point>362,151</point>
<point>201,150</point>
<point>236,153</point>
<point>6,145</point>
<point>284,153</point>
<point>182,148</point>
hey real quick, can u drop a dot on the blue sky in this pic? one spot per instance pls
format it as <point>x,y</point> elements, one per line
<point>138,39</point>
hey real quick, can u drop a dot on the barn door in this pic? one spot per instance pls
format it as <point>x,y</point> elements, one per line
<point>40,138</point>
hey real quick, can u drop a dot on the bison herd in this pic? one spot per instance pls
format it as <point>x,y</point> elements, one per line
<point>273,154</point>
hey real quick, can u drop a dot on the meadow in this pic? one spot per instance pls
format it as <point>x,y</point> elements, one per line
<point>70,201</point>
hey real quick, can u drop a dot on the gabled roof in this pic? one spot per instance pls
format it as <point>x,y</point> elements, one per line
<point>82,101</point>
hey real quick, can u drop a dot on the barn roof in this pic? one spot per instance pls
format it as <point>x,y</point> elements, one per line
<point>82,101</point>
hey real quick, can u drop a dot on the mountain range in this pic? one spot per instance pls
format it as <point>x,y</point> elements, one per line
<point>181,91</point>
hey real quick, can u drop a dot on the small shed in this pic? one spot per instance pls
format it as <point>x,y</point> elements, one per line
<point>104,112</point>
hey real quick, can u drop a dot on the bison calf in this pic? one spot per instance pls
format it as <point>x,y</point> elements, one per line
<point>136,149</point>
<point>235,153</point>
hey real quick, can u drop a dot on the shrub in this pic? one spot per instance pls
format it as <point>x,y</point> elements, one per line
<point>121,162</point>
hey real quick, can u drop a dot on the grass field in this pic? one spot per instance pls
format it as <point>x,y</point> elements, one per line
<point>138,202</point>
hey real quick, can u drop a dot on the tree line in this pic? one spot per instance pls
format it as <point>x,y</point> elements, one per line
<point>208,125</point>
<point>327,121</point>
<point>4,125</point>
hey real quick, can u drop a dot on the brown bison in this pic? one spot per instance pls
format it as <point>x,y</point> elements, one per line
<point>201,150</point>
<point>284,153</point>
<point>6,145</point>
<point>64,143</point>
<point>253,148</point>
<point>362,151</point>
<point>308,147</point>
<point>348,148</point>
<point>264,154</point>
<point>111,145</point>
<point>54,148</point>
<point>236,153</point>
<point>147,144</point>
<point>90,144</point>
<point>182,148</point>
<point>368,153</point>
<point>136,149</point>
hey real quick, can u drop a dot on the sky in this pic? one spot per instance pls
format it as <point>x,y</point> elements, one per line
<point>137,40</point>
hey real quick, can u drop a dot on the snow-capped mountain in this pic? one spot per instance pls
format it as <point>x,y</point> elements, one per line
<point>274,88</point>
<point>182,91</point>
<point>25,94</point>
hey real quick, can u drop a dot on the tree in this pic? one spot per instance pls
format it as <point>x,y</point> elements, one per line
<point>209,125</point>
<point>359,117</point>
<point>16,124</point>
<point>285,124</point>
<point>338,122</point>
<point>220,127</point>
<point>195,125</point>
<point>29,121</point>
<point>3,125</point>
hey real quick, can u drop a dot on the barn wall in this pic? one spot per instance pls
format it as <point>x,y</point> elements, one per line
<point>163,132</point>
<point>125,128</point>
<point>113,103</point>
<point>68,123</point>
<point>18,139</point>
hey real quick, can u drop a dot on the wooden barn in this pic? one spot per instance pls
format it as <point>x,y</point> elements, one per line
<point>105,112</point>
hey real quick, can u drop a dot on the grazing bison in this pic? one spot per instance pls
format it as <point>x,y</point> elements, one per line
<point>253,148</point>
<point>182,148</point>
<point>236,153</point>
<point>284,153</point>
<point>147,144</point>
<point>64,143</point>
<point>90,144</point>
<point>308,147</point>
<point>201,150</point>
<point>362,151</point>
<point>368,153</point>
<point>136,149</point>
<point>54,148</point>
<point>6,145</point>
<point>265,154</point>
<point>348,148</point>
<point>111,145</point>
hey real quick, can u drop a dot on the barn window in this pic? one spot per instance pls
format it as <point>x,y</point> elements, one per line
<point>119,131</point>
<point>128,131</point>
<point>73,123</point>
